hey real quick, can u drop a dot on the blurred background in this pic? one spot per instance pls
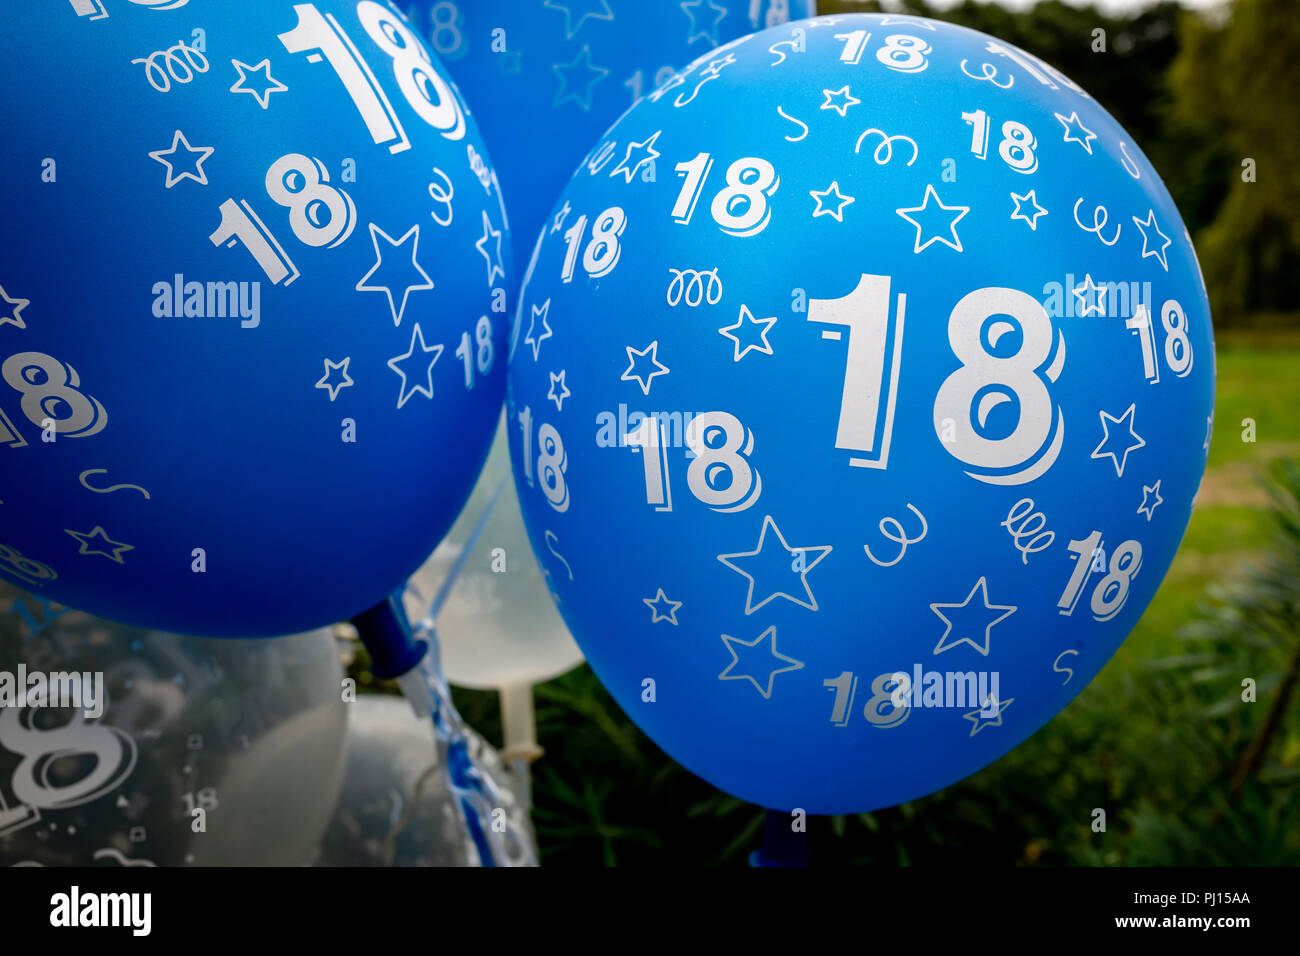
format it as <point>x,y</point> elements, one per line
<point>1188,772</point>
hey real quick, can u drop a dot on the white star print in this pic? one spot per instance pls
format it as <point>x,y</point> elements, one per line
<point>1032,199</point>
<point>14,307</point>
<point>494,267</point>
<point>563,70</point>
<point>769,636</point>
<point>981,718</point>
<point>648,148</point>
<point>839,100</point>
<point>981,588</point>
<point>263,92</point>
<point>696,31</point>
<point>1150,223</point>
<point>1121,459</point>
<point>533,339</point>
<point>824,208</point>
<point>179,142</point>
<point>1071,136</point>
<point>560,216</point>
<point>335,387</point>
<point>808,601</point>
<point>414,235</point>
<point>570,27</point>
<point>747,318</point>
<point>97,534</point>
<point>419,352</point>
<point>656,605</point>
<point>955,241</point>
<point>564,392</point>
<point>1089,295</point>
<point>651,351</point>
<point>1151,500</point>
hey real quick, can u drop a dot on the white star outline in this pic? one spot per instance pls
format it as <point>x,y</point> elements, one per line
<point>841,107</point>
<point>930,193</point>
<point>494,265</point>
<point>769,522</point>
<point>179,142</point>
<point>536,341</point>
<point>1069,124</point>
<point>976,716</point>
<point>1031,198</point>
<point>657,602</point>
<point>375,234</point>
<point>15,316</point>
<point>982,587</point>
<point>99,534</point>
<point>335,388</point>
<point>691,8</point>
<point>1130,414</point>
<point>262,96</point>
<point>1147,252</point>
<point>417,339</point>
<point>1151,500</point>
<point>746,316</point>
<point>564,390</point>
<point>560,216</point>
<point>651,155</point>
<point>652,352</point>
<point>570,30</point>
<point>841,200</point>
<point>562,71</point>
<point>1089,290</point>
<point>769,635</point>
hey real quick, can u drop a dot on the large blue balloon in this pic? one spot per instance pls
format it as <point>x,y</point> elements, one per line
<point>546,77</point>
<point>856,447</point>
<point>254,272</point>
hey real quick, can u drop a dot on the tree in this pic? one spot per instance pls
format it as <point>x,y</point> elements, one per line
<point>1239,84</point>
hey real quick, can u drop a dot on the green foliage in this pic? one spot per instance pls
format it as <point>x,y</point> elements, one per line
<point>1239,83</point>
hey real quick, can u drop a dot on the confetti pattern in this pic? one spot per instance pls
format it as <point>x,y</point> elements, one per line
<point>256,283</point>
<point>545,78</point>
<point>885,355</point>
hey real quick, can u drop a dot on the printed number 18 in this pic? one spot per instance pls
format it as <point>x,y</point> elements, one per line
<point>871,374</point>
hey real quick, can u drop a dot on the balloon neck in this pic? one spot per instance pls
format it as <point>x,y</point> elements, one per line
<point>783,845</point>
<point>386,633</point>
<point>395,653</point>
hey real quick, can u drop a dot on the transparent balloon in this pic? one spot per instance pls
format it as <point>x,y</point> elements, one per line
<point>497,624</point>
<point>396,808</point>
<point>208,751</point>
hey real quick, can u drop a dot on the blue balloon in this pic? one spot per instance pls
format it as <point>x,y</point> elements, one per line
<point>857,439</point>
<point>254,281</point>
<point>545,78</point>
